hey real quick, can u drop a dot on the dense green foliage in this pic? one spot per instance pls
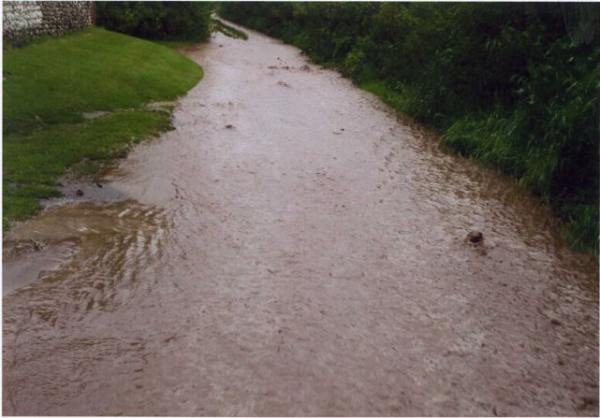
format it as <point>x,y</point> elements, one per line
<point>156,20</point>
<point>513,85</point>
<point>50,83</point>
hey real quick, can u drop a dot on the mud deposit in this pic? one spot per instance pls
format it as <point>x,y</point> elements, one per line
<point>294,248</point>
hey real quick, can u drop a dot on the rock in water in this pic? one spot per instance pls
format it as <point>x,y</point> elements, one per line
<point>475,237</point>
<point>79,192</point>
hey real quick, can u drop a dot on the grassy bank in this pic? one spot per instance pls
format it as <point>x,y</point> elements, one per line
<point>50,84</point>
<point>514,86</point>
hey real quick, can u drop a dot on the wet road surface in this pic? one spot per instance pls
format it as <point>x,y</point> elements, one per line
<point>293,248</point>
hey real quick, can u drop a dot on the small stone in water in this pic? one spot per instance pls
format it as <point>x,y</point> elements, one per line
<point>475,237</point>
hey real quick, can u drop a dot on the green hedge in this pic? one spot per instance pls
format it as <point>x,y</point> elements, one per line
<point>156,20</point>
<point>515,85</point>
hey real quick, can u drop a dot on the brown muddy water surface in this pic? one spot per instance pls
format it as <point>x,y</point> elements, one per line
<point>308,259</point>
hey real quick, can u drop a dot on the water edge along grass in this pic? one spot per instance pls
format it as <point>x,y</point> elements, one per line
<point>48,86</point>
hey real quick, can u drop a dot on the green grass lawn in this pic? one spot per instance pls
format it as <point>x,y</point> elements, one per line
<point>47,86</point>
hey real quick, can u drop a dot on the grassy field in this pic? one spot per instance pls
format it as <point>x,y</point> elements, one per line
<point>50,83</point>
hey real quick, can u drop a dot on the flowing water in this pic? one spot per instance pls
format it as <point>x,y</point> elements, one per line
<point>293,248</point>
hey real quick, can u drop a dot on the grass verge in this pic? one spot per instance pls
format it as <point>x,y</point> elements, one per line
<point>50,83</point>
<point>177,44</point>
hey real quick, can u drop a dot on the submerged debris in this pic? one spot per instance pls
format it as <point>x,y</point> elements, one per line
<point>15,248</point>
<point>475,237</point>
<point>586,402</point>
<point>283,83</point>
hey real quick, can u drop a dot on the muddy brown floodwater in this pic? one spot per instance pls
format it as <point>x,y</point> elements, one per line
<point>293,248</point>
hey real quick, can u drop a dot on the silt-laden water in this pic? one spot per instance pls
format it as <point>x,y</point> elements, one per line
<point>308,259</point>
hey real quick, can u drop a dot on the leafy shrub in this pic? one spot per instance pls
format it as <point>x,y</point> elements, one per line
<point>156,20</point>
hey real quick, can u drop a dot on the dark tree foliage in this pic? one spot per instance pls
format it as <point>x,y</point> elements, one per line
<point>156,20</point>
<point>515,85</point>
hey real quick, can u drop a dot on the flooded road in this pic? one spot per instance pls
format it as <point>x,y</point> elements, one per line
<point>292,248</point>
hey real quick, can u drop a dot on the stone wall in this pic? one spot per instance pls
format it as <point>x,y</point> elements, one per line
<point>24,20</point>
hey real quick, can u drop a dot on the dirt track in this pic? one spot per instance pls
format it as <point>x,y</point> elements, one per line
<point>308,259</point>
